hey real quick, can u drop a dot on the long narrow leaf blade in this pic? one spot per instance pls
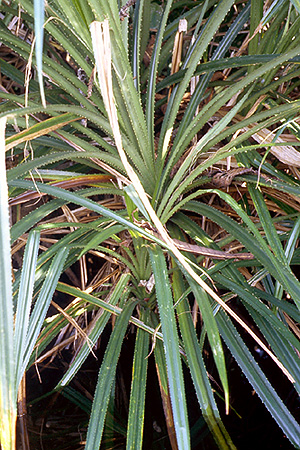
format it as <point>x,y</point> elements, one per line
<point>25,298</point>
<point>39,14</point>
<point>213,336</point>
<point>161,370</point>
<point>138,390</point>
<point>42,304</point>
<point>171,345</point>
<point>198,370</point>
<point>105,379</point>
<point>266,221</point>
<point>258,380</point>
<point>7,362</point>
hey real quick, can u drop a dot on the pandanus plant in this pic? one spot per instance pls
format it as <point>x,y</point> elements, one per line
<point>161,123</point>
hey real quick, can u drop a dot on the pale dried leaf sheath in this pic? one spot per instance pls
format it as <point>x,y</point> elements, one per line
<point>287,154</point>
<point>209,252</point>
<point>102,51</point>
<point>177,49</point>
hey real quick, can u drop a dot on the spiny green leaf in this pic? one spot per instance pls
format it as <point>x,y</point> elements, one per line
<point>24,302</point>
<point>136,413</point>
<point>105,379</point>
<point>8,389</point>
<point>258,380</point>
<point>198,370</point>
<point>42,305</point>
<point>171,346</point>
<point>39,14</point>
